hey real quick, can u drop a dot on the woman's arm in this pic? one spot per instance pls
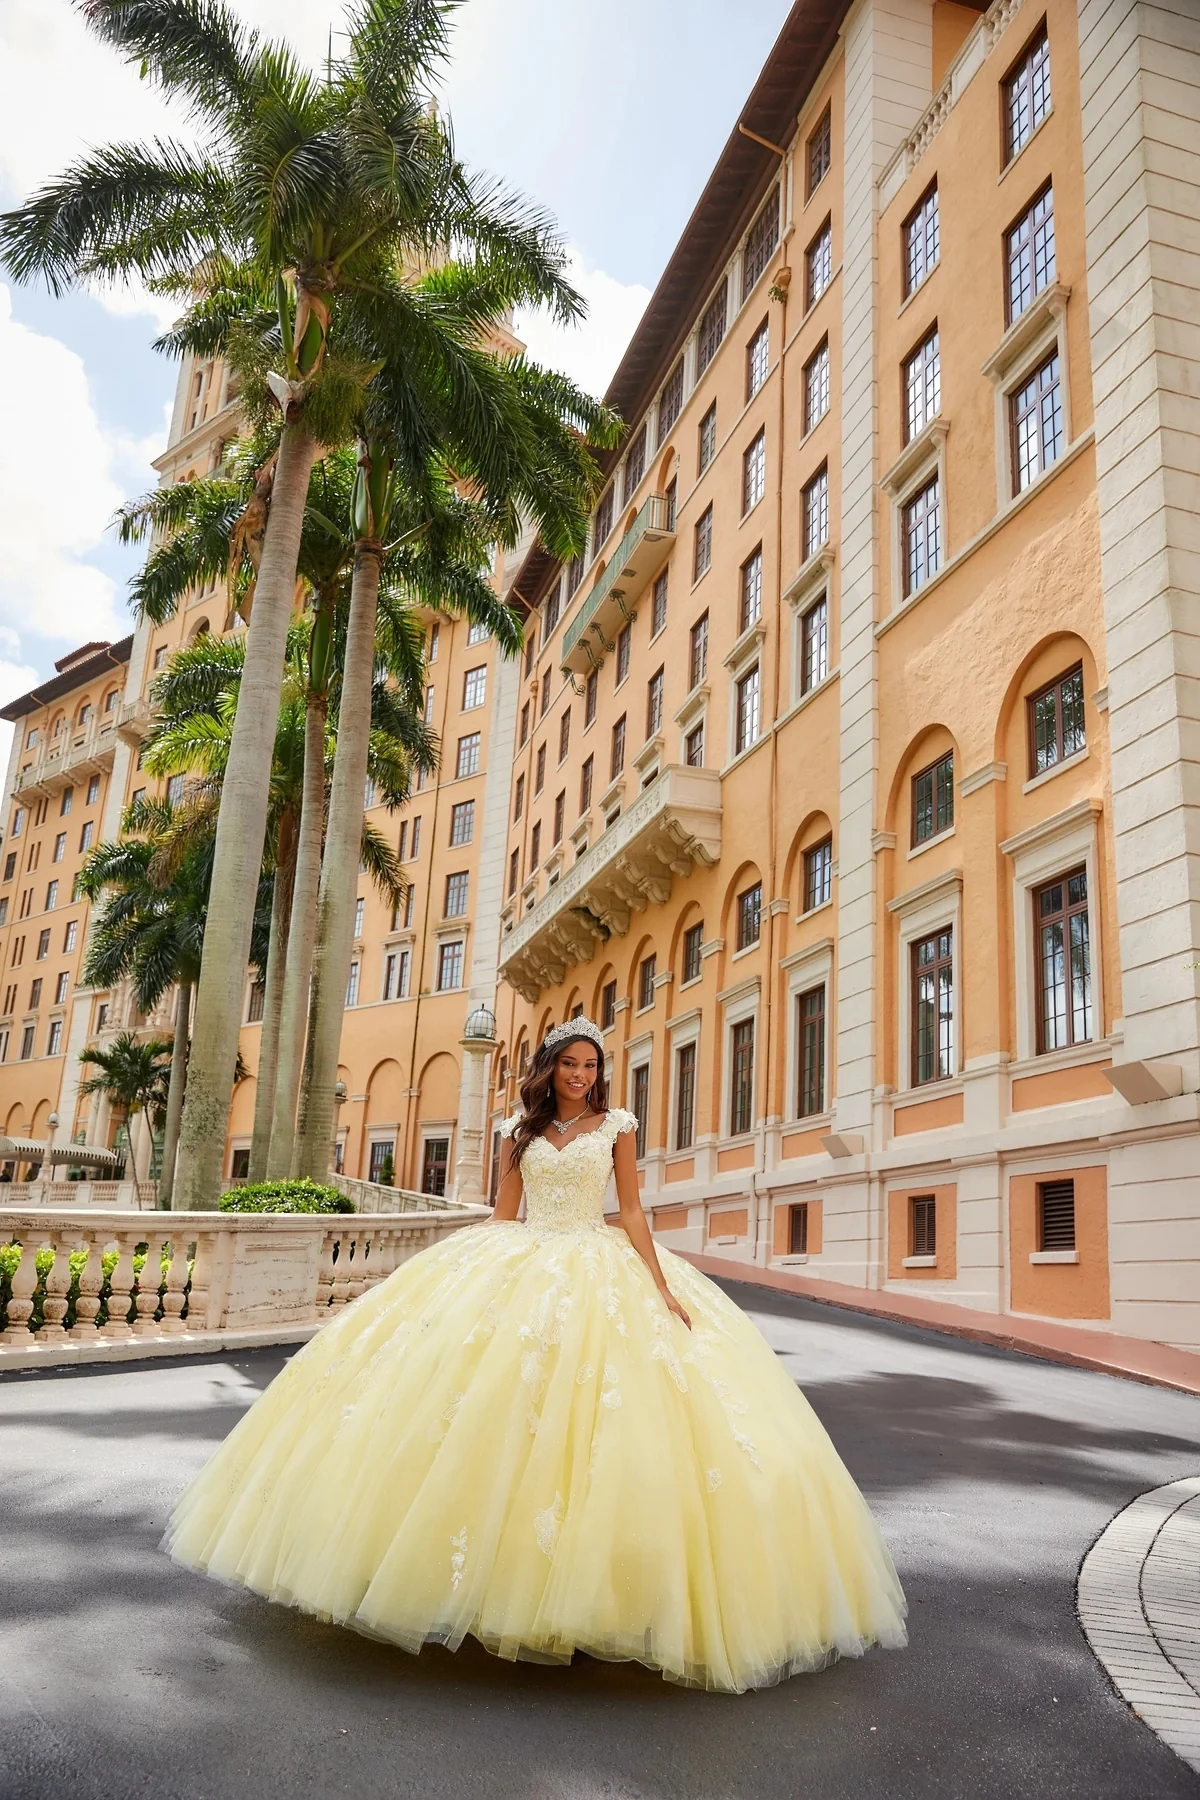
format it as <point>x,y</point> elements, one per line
<point>508,1194</point>
<point>633,1219</point>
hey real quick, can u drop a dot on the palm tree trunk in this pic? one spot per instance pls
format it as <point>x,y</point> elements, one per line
<point>268,1041</point>
<point>339,871</point>
<point>294,1022</point>
<point>241,827</point>
<point>175,1091</point>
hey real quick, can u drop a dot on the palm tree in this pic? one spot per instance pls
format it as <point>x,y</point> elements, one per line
<point>133,1076</point>
<point>318,189</point>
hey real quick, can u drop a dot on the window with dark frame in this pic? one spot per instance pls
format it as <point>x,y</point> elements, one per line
<point>535,847</point>
<point>685,1096</point>
<point>933,799</point>
<point>474,688</point>
<point>602,524</point>
<point>670,401</point>
<point>1057,722</point>
<point>933,1008</point>
<point>435,1165</point>
<point>647,971</point>
<point>514,871</point>
<point>560,815</point>
<point>1035,424</point>
<point>1029,255</point>
<point>749,916</point>
<point>1064,962</point>
<point>922,386</point>
<point>624,647</point>
<point>754,472</point>
<point>750,594</point>
<point>693,940</point>
<point>586,775</point>
<point>564,735</point>
<point>635,465</point>
<point>702,555</point>
<point>617,757</point>
<point>518,806</point>
<point>693,747</point>
<point>456,894</point>
<point>654,702</point>
<point>658,604</point>
<point>547,693</point>
<point>922,1225</point>
<point>798,1229</point>
<point>698,652</point>
<point>818,265</point>
<point>816,386</point>
<point>591,689</point>
<point>706,439</point>
<point>671,496</point>
<point>758,359</point>
<point>810,1052</point>
<point>641,1107</point>
<point>922,245</point>
<point>523,734</point>
<point>711,330</point>
<point>741,1084</point>
<point>814,645</point>
<point>1056,1215</point>
<point>468,756</point>
<point>608,1005</point>
<point>550,611</point>
<point>1027,96</point>
<point>921,538</point>
<point>818,153</point>
<point>747,709</point>
<point>462,823</point>
<point>761,240</point>
<point>814,513</point>
<point>539,770</point>
<point>818,874</point>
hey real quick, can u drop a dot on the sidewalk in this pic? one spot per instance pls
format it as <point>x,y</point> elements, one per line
<point>1137,1359</point>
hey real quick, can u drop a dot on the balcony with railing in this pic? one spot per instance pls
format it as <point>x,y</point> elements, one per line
<point>637,557</point>
<point>136,722</point>
<point>672,828</point>
<point>86,750</point>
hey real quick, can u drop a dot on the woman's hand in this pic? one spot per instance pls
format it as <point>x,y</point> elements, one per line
<point>672,1305</point>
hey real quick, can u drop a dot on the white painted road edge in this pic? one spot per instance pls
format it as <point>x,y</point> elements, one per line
<point>1139,1604</point>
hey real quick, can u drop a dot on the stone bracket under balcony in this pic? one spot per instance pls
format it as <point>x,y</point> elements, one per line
<point>638,556</point>
<point>672,828</point>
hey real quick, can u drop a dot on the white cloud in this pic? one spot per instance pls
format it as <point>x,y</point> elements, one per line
<point>589,352</point>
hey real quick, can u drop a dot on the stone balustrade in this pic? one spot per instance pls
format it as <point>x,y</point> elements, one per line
<point>139,1196</point>
<point>79,1285</point>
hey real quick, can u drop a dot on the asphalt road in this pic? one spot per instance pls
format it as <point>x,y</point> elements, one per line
<point>123,1677</point>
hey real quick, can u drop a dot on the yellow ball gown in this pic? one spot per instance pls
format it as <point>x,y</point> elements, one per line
<point>512,1438</point>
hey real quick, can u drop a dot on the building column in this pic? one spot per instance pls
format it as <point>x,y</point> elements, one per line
<point>470,1139</point>
<point>1140,99</point>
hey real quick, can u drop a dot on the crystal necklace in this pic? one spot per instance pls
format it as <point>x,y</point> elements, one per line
<point>563,1126</point>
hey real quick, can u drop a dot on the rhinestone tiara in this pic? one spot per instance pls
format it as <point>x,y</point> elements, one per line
<point>573,1028</point>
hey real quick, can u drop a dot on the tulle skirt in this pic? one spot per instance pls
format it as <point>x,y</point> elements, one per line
<point>511,1438</point>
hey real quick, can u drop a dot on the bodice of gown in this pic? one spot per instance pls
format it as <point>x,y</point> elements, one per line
<point>564,1189</point>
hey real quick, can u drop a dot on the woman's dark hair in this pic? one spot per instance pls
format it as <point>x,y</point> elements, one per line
<point>537,1092</point>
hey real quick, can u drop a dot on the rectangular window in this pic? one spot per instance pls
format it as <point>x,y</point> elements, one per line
<point>530,653</point>
<point>535,846</point>
<point>575,570</point>
<point>761,240</point>
<point>933,799</point>
<point>4,1045</point>
<point>10,865</point>
<point>1056,722</point>
<point>922,386</point>
<point>586,776</point>
<point>551,611</point>
<point>456,894</point>
<point>450,966</point>
<point>435,639</point>
<point>921,531</point>
<point>750,599</point>
<point>604,517</point>
<point>468,755</point>
<point>474,688</point>
<point>51,895</point>
<point>1056,1215</point>
<point>1064,971</point>
<point>257,1001</point>
<point>635,465</point>
<point>754,472</point>
<point>685,1096</point>
<point>818,153</point>
<point>617,756</point>
<point>352,985</point>
<point>60,846</point>
<point>641,1107</point>
<point>922,1225</point>
<point>560,815</point>
<point>18,824</point>
<point>933,1008</point>
<point>712,328</point>
<point>35,994</point>
<point>64,805</point>
<point>741,1094</point>
<point>539,770</point>
<point>654,703</point>
<point>814,514</point>
<point>749,916</point>
<point>27,1043</point>
<point>658,605</point>
<point>435,1165</point>
<point>814,645</point>
<point>624,647</point>
<point>816,385</point>
<point>86,835</point>
<point>360,907</point>
<point>564,735</point>
<point>693,747</point>
<point>410,900</point>
<point>921,240</point>
<point>547,693</point>
<point>430,703</point>
<point>798,1229</point>
<point>693,939</point>
<point>758,359</point>
<point>389,977</point>
<point>707,439</point>
<point>382,1160</point>
<point>747,710</point>
<point>4,911</point>
<point>10,998</point>
<point>591,688</point>
<point>514,871</point>
<point>698,652</point>
<point>818,874</point>
<point>608,1005</point>
<point>818,265</point>
<point>523,735</point>
<point>402,849</point>
<point>478,634</point>
<point>43,949</point>
<point>810,1052</point>
<point>1036,424</point>
<point>462,823</point>
<point>1027,96</point>
<point>69,936</point>
<point>647,970</point>
<point>670,401</point>
<point>1029,254</point>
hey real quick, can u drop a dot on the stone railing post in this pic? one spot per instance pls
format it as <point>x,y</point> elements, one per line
<point>120,1285</point>
<point>58,1288</point>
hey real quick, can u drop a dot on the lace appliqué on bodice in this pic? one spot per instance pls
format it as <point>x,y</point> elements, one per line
<point>564,1189</point>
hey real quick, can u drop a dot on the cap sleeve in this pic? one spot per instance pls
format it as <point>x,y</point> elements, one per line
<point>620,1121</point>
<point>509,1125</point>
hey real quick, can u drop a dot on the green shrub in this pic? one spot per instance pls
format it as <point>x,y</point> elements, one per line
<point>286,1197</point>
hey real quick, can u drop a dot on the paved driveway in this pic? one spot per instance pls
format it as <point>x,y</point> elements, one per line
<point>122,1677</point>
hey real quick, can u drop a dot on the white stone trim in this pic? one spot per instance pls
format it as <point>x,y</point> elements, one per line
<point>1039,854</point>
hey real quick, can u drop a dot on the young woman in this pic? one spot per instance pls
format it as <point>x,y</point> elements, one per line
<point>553,1438</point>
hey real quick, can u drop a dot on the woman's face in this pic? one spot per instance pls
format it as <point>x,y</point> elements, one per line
<point>575,1070</point>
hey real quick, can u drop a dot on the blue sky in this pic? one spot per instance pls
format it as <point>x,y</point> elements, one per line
<point>608,112</point>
